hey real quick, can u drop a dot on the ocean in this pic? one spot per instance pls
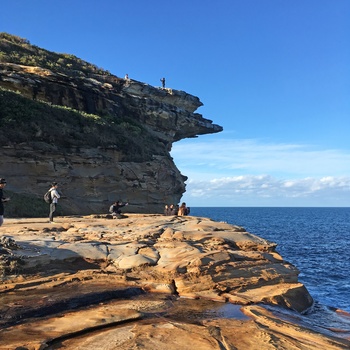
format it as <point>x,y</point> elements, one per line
<point>315,240</point>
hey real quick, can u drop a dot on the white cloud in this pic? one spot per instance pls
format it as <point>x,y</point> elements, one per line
<point>267,190</point>
<point>233,157</point>
<point>229,172</point>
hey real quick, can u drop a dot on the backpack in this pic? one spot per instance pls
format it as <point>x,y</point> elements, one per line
<point>47,197</point>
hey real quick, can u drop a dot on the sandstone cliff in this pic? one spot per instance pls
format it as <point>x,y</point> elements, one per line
<point>111,141</point>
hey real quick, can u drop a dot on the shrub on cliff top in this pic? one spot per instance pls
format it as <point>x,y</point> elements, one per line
<point>14,49</point>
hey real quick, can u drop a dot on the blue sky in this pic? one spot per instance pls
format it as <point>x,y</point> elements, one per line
<point>274,73</point>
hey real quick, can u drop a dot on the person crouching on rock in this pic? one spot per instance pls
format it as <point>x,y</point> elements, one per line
<point>115,209</point>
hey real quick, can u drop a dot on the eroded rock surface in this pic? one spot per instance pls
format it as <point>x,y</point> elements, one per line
<point>189,256</point>
<point>93,282</point>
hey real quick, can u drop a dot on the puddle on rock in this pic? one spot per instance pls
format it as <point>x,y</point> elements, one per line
<point>194,310</point>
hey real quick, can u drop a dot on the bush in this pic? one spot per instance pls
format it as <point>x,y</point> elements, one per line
<point>24,120</point>
<point>25,205</point>
<point>18,50</point>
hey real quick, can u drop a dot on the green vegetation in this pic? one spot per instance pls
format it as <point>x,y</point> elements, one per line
<point>43,125</point>
<point>29,206</point>
<point>14,49</point>
<point>51,127</point>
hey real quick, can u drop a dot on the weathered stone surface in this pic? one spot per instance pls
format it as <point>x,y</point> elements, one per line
<point>83,285</point>
<point>92,180</point>
<point>196,257</point>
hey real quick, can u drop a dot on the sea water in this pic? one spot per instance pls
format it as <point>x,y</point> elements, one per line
<point>315,240</point>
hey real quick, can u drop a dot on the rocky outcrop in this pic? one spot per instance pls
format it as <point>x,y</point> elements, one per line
<point>93,172</point>
<point>188,256</point>
<point>146,280</point>
<point>165,112</point>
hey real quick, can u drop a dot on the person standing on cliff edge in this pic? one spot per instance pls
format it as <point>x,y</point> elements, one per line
<point>2,200</point>
<point>163,82</point>
<point>54,199</point>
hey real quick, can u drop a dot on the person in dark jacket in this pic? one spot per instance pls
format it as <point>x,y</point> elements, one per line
<point>166,210</point>
<point>2,200</point>
<point>173,209</point>
<point>114,209</point>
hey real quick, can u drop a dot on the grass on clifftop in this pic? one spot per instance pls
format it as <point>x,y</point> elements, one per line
<point>41,125</point>
<point>15,49</point>
<point>57,128</point>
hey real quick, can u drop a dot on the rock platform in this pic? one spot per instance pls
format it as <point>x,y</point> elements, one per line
<point>143,281</point>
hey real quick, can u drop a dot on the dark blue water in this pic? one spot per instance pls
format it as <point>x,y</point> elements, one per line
<point>315,240</point>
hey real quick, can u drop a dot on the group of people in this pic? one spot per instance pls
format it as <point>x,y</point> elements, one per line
<point>162,80</point>
<point>114,209</point>
<point>53,200</point>
<point>181,210</point>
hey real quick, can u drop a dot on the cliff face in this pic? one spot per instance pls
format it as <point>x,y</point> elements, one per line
<point>104,157</point>
<point>167,113</point>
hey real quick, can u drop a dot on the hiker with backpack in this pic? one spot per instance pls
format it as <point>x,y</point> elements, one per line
<point>51,196</point>
<point>2,200</point>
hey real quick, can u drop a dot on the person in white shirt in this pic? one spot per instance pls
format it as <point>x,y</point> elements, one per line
<point>54,199</point>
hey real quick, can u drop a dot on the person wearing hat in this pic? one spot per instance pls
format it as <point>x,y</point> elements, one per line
<point>2,200</point>
<point>54,199</point>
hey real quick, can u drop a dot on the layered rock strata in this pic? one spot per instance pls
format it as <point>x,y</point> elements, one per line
<point>167,113</point>
<point>81,284</point>
<point>92,176</point>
